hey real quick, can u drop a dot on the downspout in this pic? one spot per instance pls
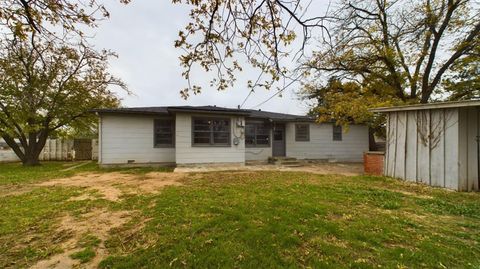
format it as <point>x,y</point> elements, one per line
<point>478,148</point>
<point>100,142</point>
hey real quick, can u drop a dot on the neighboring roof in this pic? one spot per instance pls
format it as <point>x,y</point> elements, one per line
<point>164,110</point>
<point>439,105</point>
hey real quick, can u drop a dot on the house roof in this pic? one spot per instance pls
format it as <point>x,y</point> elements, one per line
<point>439,105</point>
<point>165,110</point>
<point>133,110</point>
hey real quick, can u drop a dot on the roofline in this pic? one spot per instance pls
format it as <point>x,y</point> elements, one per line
<point>119,111</point>
<point>439,105</point>
<point>170,110</point>
<point>289,120</point>
<point>207,111</point>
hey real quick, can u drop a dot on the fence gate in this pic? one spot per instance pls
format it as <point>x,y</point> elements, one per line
<point>83,149</point>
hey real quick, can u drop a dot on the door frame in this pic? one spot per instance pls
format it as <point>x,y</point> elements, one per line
<point>284,135</point>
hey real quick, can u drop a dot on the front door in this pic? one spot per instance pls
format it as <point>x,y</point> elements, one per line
<point>278,146</point>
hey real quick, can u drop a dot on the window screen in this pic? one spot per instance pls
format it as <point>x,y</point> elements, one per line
<point>164,131</point>
<point>337,133</point>
<point>211,131</point>
<point>302,132</point>
<point>257,134</point>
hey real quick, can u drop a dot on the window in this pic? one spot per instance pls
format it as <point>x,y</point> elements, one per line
<point>337,133</point>
<point>257,134</point>
<point>164,133</point>
<point>211,132</point>
<point>302,132</point>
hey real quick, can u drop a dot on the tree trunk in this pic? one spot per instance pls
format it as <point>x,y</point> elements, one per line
<point>35,147</point>
<point>31,159</point>
<point>28,153</point>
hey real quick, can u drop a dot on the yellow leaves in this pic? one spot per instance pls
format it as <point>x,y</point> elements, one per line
<point>24,18</point>
<point>346,103</point>
<point>288,37</point>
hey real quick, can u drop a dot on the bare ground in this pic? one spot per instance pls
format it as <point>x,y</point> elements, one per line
<point>113,185</point>
<point>99,222</point>
<point>345,169</point>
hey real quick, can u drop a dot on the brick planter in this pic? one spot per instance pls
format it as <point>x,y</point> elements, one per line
<point>373,162</point>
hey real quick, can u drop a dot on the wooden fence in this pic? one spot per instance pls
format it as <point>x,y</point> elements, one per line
<point>60,150</point>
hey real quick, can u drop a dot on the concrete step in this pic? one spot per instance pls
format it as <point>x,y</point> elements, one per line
<point>285,161</point>
<point>289,162</point>
<point>282,159</point>
<point>292,165</point>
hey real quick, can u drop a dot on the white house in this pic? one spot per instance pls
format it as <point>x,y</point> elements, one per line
<point>435,144</point>
<point>183,135</point>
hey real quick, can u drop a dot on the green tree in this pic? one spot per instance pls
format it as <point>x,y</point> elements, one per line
<point>50,77</point>
<point>44,87</point>
<point>346,103</point>
<point>464,81</point>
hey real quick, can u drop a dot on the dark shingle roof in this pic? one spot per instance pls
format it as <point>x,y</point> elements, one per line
<point>278,116</point>
<point>206,109</point>
<point>134,110</point>
<point>209,109</point>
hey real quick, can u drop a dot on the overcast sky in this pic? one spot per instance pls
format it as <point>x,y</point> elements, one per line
<point>143,34</point>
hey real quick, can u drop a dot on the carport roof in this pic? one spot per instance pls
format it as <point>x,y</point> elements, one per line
<point>438,105</point>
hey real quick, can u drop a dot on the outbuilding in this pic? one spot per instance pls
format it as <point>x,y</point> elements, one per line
<point>435,144</point>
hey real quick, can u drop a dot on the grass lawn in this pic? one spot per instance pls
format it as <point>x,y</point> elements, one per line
<point>16,174</point>
<point>239,219</point>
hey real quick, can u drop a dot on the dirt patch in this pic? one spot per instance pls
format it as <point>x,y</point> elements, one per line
<point>113,185</point>
<point>413,194</point>
<point>346,169</point>
<point>83,197</point>
<point>97,223</point>
<point>14,190</point>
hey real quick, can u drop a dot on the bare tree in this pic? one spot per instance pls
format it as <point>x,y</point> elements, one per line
<point>260,31</point>
<point>50,19</point>
<point>409,45</point>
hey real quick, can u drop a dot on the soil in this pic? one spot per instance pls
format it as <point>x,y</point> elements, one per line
<point>98,223</point>
<point>113,185</point>
<point>345,169</point>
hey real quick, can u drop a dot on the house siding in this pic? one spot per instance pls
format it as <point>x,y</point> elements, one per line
<point>188,154</point>
<point>321,145</point>
<point>125,137</point>
<point>258,154</point>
